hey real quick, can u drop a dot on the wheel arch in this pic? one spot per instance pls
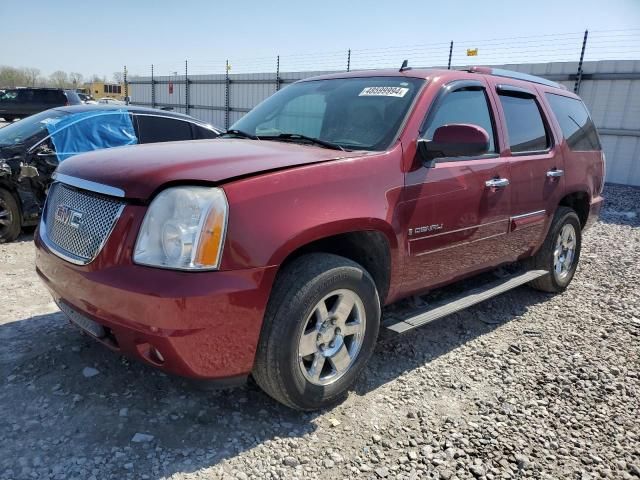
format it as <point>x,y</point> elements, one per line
<point>8,187</point>
<point>370,247</point>
<point>579,201</point>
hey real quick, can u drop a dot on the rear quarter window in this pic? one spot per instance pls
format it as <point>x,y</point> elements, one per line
<point>577,127</point>
<point>156,129</point>
<point>200,133</point>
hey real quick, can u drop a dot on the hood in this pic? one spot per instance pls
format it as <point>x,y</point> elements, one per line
<point>140,170</point>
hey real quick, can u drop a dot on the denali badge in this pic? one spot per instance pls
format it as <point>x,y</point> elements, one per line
<point>426,228</point>
<point>68,216</point>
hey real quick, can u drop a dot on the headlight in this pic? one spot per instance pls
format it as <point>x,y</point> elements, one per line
<point>183,229</point>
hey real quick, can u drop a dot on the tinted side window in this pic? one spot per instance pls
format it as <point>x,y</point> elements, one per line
<point>160,129</point>
<point>51,97</point>
<point>25,96</point>
<point>463,106</point>
<point>525,126</point>
<point>200,133</point>
<point>577,127</point>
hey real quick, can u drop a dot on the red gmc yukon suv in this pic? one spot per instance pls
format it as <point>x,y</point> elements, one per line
<point>271,251</point>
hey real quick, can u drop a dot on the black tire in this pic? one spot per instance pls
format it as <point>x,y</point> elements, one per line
<point>9,119</point>
<point>9,217</point>
<point>544,259</point>
<point>298,290</point>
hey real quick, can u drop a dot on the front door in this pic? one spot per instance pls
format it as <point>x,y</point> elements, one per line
<point>456,221</point>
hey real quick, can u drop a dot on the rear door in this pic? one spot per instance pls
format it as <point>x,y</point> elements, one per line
<point>457,224</point>
<point>536,164</point>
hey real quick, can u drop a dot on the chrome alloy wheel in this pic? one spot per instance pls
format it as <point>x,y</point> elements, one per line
<point>565,252</point>
<point>332,336</point>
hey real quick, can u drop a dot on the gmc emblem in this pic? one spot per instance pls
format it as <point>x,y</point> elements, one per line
<point>68,216</point>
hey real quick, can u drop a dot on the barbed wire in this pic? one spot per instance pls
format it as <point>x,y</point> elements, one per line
<point>618,44</point>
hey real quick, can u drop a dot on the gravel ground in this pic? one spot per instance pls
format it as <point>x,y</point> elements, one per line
<point>525,385</point>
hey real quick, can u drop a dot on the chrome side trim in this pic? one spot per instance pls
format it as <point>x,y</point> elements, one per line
<point>88,185</point>
<point>456,245</point>
<point>529,214</point>
<point>458,230</point>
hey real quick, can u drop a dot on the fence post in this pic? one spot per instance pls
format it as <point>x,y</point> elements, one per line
<point>450,53</point>
<point>278,73</point>
<point>153,89</point>
<point>226,95</point>
<point>349,60</point>
<point>576,86</point>
<point>126,86</point>
<point>186,87</point>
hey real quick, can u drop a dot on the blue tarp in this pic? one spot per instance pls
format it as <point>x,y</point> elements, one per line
<point>87,131</point>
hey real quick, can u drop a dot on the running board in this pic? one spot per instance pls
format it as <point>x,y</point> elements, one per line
<point>460,302</point>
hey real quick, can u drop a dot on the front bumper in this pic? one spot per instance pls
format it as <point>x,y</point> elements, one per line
<point>205,325</point>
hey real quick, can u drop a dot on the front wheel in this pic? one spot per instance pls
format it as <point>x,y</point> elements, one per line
<point>9,217</point>
<point>319,330</point>
<point>560,252</point>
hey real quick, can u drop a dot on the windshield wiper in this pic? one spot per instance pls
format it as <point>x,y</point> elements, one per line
<point>298,136</point>
<point>240,133</point>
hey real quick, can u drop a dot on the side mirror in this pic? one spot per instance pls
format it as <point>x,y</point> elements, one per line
<point>454,140</point>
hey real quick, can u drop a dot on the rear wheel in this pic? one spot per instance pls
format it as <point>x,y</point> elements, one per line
<point>560,252</point>
<point>9,217</point>
<point>9,119</point>
<point>320,329</point>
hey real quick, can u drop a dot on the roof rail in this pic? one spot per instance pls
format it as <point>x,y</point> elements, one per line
<point>499,72</point>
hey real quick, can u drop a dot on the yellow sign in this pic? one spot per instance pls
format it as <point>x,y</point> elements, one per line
<point>472,52</point>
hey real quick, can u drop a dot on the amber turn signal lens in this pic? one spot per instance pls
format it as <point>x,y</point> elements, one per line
<point>210,241</point>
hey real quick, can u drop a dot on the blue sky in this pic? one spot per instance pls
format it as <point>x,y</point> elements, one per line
<point>84,36</point>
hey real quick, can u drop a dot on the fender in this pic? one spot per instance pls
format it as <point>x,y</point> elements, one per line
<point>273,215</point>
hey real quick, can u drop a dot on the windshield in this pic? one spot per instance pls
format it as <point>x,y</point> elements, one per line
<point>22,130</point>
<point>353,113</point>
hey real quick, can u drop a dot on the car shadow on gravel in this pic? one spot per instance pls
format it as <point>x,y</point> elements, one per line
<point>396,354</point>
<point>81,401</point>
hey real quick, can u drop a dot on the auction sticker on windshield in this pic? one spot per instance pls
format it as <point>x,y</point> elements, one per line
<point>383,92</point>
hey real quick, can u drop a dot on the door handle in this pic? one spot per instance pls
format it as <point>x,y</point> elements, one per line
<point>555,173</point>
<point>497,183</point>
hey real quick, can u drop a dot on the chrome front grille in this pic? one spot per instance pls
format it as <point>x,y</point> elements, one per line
<point>76,223</point>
